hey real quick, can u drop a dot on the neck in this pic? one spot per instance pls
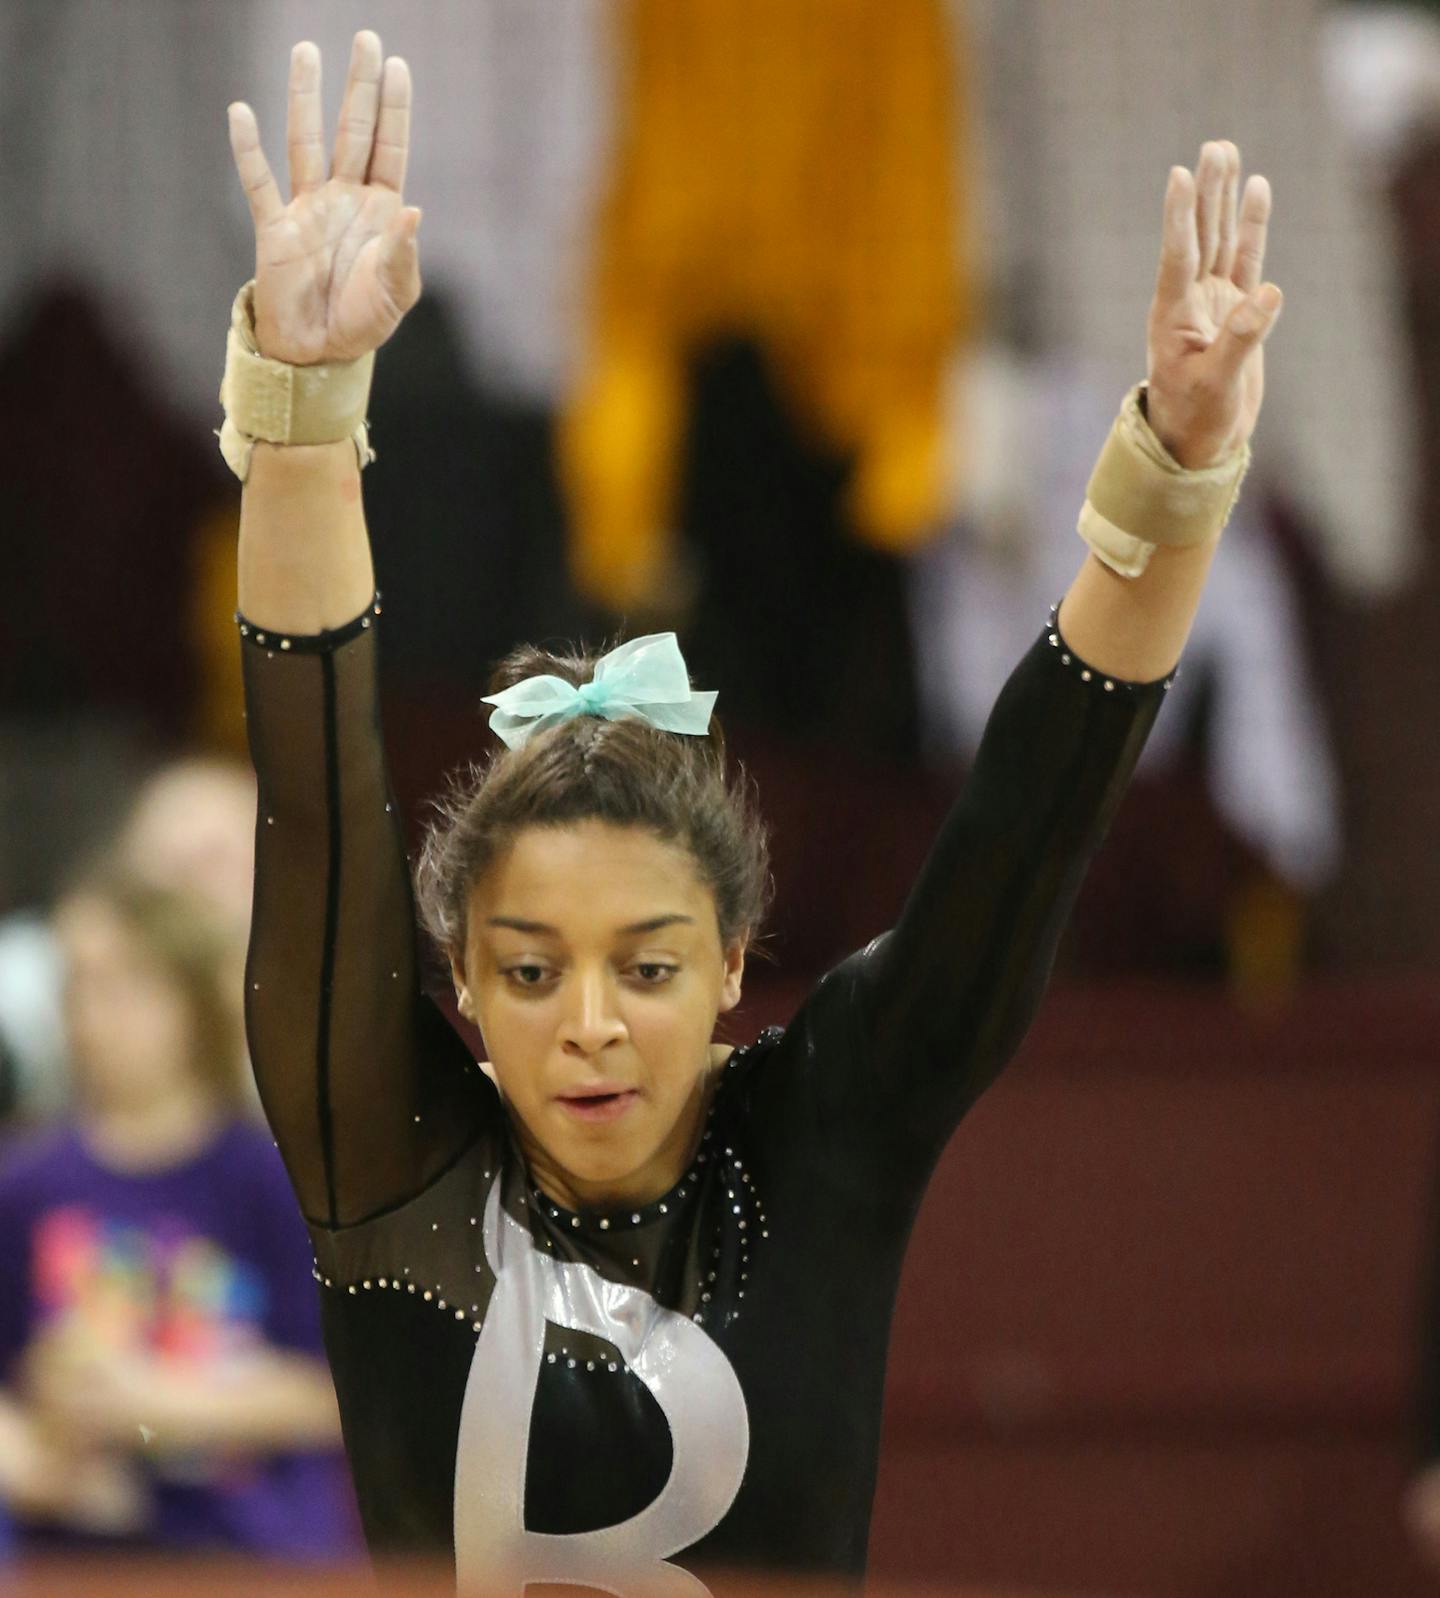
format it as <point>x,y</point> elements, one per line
<point>154,1136</point>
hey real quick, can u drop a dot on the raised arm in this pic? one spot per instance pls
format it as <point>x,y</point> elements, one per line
<point>368,1091</point>
<point>1205,336</point>
<point>932,1010</point>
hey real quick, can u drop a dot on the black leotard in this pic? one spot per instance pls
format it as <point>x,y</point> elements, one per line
<point>699,1381</point>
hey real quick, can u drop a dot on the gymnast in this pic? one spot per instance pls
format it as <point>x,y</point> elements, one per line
<point>614,1303</point>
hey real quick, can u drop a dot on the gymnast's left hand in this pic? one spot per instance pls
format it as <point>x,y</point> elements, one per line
<point>337,267</point>
<point>1212,310</point>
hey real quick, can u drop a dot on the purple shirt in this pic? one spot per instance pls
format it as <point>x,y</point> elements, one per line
<point>192,1263</point>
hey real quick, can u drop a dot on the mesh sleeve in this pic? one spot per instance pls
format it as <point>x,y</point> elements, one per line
<point>368,1090</point>
<point>899,1040</point>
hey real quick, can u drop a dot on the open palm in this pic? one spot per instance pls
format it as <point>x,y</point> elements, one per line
<point>1211,311</point>
<point>336,268</point>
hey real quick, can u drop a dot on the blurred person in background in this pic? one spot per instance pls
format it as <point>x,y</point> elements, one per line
<point>190,828</point>
<point>158,1335</point>
<point>615,1222</point>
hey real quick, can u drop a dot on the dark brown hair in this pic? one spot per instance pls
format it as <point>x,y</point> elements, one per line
<point>627,773</point>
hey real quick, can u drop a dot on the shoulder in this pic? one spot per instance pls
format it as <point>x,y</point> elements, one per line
<point>246,1151</point>
<point>30,1155</point>
<point>36,1166</point>
<point>244,1165</point>
<point>246,1168</point>
<point>825,1015</point>
<point>246,1140</point>
<point>742,1067</point>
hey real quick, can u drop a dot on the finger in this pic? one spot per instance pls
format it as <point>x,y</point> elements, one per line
<point>1209,180</point>
<point>356,132</point>
<point>1250,238</point>
<point>256,178</point>
<point>302,122</point>
<point>1245,330</point>
<point>392,132</point>
<point>398,266</point>
<point>1179,246</point>
<point>1229,201</point>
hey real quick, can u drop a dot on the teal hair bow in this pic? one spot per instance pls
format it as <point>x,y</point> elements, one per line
<point>644,679</point>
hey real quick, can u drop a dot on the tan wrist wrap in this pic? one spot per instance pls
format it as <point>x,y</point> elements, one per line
<point>1141,497</point>
<point>285,404</point>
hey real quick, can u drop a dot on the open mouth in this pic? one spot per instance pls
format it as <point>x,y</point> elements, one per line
<point>599,1106</point>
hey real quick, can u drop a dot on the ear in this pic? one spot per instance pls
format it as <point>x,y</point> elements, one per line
<point>463,1001</point>
<point>734,972</point>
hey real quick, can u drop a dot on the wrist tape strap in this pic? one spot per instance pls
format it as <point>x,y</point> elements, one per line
<point>285,404</point>
<point>1141,497</point>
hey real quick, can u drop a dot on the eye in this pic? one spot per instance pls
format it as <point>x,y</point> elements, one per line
<point>653,973</point>
<point>528,975</point>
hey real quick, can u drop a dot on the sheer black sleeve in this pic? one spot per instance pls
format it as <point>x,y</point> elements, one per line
<point>897,1042</point>
<point>369,1091</point>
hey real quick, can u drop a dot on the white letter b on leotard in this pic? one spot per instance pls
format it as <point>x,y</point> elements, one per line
<point>688,1376</point>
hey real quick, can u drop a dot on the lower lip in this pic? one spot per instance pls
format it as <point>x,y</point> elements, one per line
<point>606,1109</point>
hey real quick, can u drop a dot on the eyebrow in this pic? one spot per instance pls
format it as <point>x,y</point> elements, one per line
<point>543,929</point>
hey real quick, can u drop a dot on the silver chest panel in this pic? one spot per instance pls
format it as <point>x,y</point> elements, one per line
<point>688,1376</point>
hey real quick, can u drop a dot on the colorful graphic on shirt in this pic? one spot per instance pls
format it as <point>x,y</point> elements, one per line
<point>687,1374</point>
<point>161,1288</point>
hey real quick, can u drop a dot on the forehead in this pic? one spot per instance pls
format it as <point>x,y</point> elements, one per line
<point>591,875</point>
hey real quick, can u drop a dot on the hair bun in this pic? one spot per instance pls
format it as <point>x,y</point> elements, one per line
<point>529,660</point>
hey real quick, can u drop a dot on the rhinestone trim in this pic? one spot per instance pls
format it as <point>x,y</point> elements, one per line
<point>1088,673</point>
<point>321,643</point>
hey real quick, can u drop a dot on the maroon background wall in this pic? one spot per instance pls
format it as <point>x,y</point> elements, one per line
<point>1157,1332</point>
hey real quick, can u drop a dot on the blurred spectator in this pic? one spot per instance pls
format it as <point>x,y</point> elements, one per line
<point>190,827</point>
<point>159,1335</point>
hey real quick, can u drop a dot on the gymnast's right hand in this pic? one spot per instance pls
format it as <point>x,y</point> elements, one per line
<point>336,268</point>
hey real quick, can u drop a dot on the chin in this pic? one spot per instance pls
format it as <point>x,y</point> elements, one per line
<point>593,1162</point>
<point>600,1160</point>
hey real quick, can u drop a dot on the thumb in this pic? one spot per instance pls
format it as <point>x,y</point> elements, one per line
<point>1248,325</point>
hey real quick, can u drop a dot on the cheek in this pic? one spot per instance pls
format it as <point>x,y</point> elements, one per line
<point>672,1035</point>
<point>519,1038</point>
<point>656,1023</point>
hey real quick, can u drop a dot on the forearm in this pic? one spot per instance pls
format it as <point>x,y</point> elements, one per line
<point>272,1401</point>
<point>1134,628</point>
<point>45,1478</point>
<point>304,551</point>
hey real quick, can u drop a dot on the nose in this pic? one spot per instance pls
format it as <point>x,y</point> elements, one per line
<point>592,1021</point>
